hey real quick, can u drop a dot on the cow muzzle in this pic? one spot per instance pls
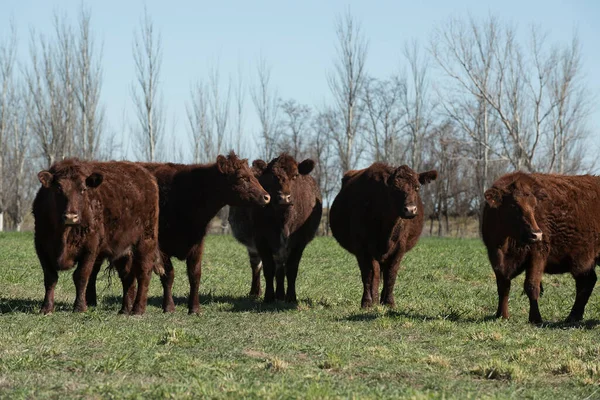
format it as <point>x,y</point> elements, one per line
<point>265,199</point>
<point>535,236</point>
<point>410,211</point>
<point>285,199</point>
<point>71,218</point>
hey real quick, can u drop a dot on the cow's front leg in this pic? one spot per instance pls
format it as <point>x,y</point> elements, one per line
<point>533,279</point>
<point>291,270</point>
<point>194,270</point>
<point>256,265</point>
<point>369,270</point>
<point>390,272</point>
<point>503,285</point>
<point>167,283</point>
<point>50,280</point>
<point>81,277</point>
<point>91,296</point>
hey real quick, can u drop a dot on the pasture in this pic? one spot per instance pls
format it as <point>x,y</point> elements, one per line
<point>439,341</point>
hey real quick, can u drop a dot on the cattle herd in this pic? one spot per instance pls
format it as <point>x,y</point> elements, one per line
<point>140,215</point>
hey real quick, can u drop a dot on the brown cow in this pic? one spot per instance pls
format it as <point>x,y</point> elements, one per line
<point>378,217</point>
<point>190,197</point>
<point>539,224</point>
<point>88,211</point>
<point>277,234</point>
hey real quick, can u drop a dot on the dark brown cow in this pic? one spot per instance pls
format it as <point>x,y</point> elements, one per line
<point>190,196</point>
<point>277,234</point>
<point>539,224</point>
<point>88,211</point>
<point>378,217</point>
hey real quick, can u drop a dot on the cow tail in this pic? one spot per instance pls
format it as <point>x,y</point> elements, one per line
<point>158,268</point>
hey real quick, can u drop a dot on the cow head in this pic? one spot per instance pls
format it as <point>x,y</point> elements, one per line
<point>280,175</point>
<point>69,182</point>
<point>242,187</point>
<point>517,202</point>
<point>405,185</point>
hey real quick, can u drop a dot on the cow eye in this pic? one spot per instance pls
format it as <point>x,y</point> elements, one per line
<point>83,190</point>
<point>294,177</point>
<point>417,188</point>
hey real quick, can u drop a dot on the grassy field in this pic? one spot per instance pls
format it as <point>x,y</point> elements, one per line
<point>438,343</point>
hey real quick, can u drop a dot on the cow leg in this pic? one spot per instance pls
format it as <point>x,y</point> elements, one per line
<point>81,277</point>
<point>291,270</point>
<point>268,271</point>
<point>256,265</point>
<point>125,271</point>
<point>390,272</point>
<point>585,283</point>
<point>194,270</point>
<point>91,297</point>
<point>143,264</point>
<point>280,268</point>
<point>50,280</point>
<point>503,285</point>
<point>369,270</point>
<point>533,279</point>
<point>167,283</point>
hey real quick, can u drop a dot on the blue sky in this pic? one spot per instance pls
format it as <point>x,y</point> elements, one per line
<point>296,39</point>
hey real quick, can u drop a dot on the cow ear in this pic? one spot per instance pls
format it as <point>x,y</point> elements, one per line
<point>222,164</point>
<point>306,166</point>
<point>426,177</point>
<point>259,166</point>
<point>45,178</point>
<point>493,197</point>
<point>94,180</point>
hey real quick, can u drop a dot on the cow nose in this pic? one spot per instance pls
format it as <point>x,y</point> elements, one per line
<point>71,218</point>
<point>410,210</point>
<point>266,198</point>
<point>536,236</point>
<point>285,198</point>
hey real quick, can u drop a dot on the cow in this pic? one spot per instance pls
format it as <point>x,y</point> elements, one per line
<point>542,223</point>
<point>190,197</point>
<point>275,236</point>
<point>86,212</point>
<point>378,216</point>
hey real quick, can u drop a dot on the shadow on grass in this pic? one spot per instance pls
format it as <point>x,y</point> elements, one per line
<point>589,324</point>
<point>452,315</point>
<point>29,306</point>
<point>238,303</point>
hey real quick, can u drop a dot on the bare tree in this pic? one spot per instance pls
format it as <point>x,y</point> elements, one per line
<point>465,53</point>
<point>87,90</point>
<point>320,148</point>
<point>417,104</point>
<point>384,119</point>
<point>208,118</point>
<point>19,182</point>
<point>147,55</point>
<point>266,104</point>
<point>295,128</point>
<point>346,84</point>
<point>572,107</point>
<point>50,82</point>
<point>7,62</point>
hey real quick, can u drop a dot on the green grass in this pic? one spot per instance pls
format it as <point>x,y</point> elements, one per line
<point>439,342</point>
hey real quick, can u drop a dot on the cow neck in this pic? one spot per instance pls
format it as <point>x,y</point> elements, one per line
<point>207,188</point>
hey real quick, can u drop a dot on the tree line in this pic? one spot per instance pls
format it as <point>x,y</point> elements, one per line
<point>478,100</point>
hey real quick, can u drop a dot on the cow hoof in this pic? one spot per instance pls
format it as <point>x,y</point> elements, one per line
<point>269,299</point>
<point>124,311</point>
<point>169,307</point>
<point>571,319</point>
<point>194,311</point>
<point>366,304</point>
<point>46,311</point>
